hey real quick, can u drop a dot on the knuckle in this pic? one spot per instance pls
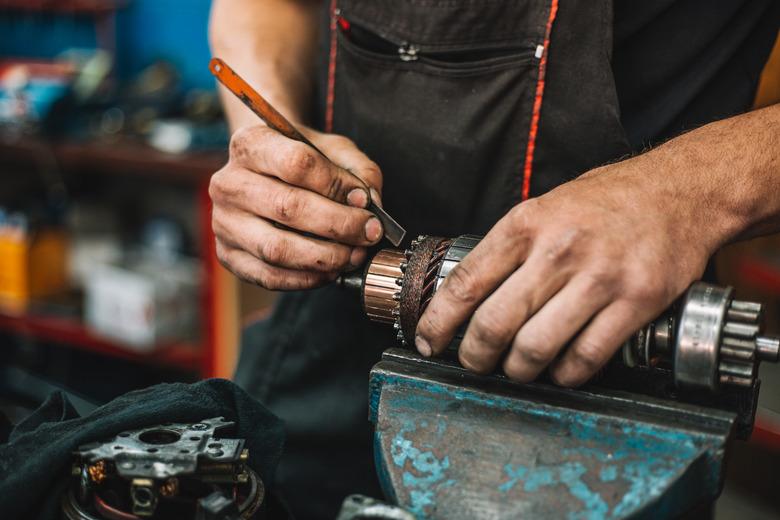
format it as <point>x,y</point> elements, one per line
<point>274,251</point>
<point>372,174</point>
<point>266,278</point>
<point>286,205</point>
<point>299,162</point>
<point>528,207</point>
<point>646,288</point>
<point>587,354</point>
<point>335,186</point>
<point>519,220</point>
<point>222,255</point>
<point>514,369</point>
<point>240,142</point>
<point>217,224</point>
<point>332,259</point>
<point>535,354</point>
<point>490,330</point>
<point>535,349</point>
<point>219,185</point>
<point>564,245</point>
<point>267,281</point>
<point>344,226</point>
<point>214,188</point>
<point>462,284</point>
<point>472,362</point>
<point>599,283</point>
<point>341,141</point>
<point>311,280</point>
<point>523,212</point>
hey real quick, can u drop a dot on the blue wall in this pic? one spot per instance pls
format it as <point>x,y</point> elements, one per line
<point>146,30</point>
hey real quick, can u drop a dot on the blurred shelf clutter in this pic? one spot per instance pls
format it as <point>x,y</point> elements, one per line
<point>106,248</point>
<point>76,95</point>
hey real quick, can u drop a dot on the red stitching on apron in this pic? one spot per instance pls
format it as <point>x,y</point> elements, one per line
<point>331,95</point>
<point>529,153</point>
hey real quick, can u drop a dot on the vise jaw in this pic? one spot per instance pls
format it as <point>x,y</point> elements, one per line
<point>451,444</point>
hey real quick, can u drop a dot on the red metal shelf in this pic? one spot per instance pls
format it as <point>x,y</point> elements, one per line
<point>767,429</point>
<point>126,157</point>
<point>129,158</point>
<point>67,331</point>
<point>761,273</point>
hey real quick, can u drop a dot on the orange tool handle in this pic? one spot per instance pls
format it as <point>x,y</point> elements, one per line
<point>256,103</point>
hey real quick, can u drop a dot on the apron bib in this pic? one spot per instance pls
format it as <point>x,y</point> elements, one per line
<point>469,107</point>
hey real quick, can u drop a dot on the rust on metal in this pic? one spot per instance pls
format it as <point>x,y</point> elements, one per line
<point>419,264</point>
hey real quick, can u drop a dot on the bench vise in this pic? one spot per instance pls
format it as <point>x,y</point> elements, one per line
<point>647,438</point>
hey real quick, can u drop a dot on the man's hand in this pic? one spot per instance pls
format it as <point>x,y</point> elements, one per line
<point>593,261</point>
<point>287,218</point>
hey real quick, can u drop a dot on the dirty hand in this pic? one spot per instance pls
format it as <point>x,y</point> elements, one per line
<point>285,217</point>
<point>585,265</point>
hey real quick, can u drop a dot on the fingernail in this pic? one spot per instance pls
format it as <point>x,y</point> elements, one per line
<point>422,346</point>
<point>375,197</point>
<point>373,229</point>
<point>356,257</point>
<point>358,198</point>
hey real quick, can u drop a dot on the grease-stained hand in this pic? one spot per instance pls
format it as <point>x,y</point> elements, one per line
<point>285,217</point>
<point>564,279</point>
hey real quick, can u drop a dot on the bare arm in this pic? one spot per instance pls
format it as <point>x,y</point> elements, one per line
<point>597,258</point>
<point>272,44</point>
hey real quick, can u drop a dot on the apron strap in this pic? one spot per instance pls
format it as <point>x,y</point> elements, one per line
<point>331,94</point>
<point>537,109</point>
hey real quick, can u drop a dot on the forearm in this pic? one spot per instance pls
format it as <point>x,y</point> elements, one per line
<point>272,44</point>
<point>723,178</point>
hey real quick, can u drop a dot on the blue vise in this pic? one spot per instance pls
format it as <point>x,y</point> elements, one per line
<point>451,444</point>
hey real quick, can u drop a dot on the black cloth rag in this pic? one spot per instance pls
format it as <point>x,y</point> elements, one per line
<point>35,457</point>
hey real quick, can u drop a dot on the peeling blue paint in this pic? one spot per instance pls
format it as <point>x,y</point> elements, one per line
<point>429,471</point>
<point>629,463</point>
<point>608,473</point>
<point>568,474</point>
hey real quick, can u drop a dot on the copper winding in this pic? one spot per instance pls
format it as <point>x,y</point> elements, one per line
<point>381,286</point>
<point>170,487</point>
<point>97,472</point>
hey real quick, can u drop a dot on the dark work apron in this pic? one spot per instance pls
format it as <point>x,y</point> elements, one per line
<point>468,106</point>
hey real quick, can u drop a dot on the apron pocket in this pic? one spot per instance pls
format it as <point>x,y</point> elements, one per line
<point>449,128</point>
<point>465,58</point>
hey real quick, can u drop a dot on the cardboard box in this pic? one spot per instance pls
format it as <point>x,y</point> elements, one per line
<point>144,304</point>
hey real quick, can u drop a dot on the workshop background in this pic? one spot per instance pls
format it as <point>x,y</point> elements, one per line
<point>109,131</point>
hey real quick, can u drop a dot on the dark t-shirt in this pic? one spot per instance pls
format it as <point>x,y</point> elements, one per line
<point>679,64</point>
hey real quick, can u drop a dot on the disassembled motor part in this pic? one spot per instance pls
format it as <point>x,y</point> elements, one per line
<point>707,338</point>
<point>187,471</point>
